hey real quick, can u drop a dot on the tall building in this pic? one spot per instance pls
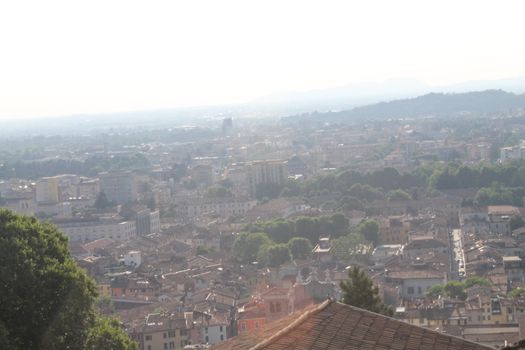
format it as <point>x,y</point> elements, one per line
<point>119,187</point>
<point>227,126</point>
<point>266,172</point>
<point>47,190</point>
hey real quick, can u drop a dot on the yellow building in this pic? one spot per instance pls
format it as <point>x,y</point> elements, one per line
<point>47,190</point>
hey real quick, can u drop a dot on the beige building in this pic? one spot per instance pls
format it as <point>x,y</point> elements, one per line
<point>84,230</point>
<point>47,190</point>
<point>266,172</point>
<point>162,332</point>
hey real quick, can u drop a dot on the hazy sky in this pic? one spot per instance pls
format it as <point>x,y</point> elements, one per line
<point>64,57</point>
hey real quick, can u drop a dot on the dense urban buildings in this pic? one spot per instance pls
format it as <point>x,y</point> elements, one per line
<point>213,239</point>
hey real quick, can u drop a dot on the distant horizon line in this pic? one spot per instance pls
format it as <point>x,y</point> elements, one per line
<point>256,102</point>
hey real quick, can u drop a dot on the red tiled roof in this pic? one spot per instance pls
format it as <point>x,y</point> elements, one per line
<point>333,325</point>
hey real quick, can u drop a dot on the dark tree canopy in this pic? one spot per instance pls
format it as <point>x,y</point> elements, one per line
<point>107,334</point>
<point>300,248</point>
<point>359,291</point>
<point>273,255</point>
<point>46,300</point>
<point>370,230</point>
<point>102,201</point>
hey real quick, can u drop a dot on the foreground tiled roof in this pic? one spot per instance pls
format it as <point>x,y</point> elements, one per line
<point>335,326</point>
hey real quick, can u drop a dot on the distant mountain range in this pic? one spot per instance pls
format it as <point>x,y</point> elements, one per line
<point>432,104</point>
<point>365,93</point>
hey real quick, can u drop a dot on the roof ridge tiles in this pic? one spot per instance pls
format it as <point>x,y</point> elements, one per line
<point>292,325</point>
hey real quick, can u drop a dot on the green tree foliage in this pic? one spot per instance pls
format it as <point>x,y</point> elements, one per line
<point>105,305</point>
<point>516,222</point>
<point>300,248</point>
<point>107,334</point>
<point>398,195</point>
<point>102,202</point>
<point>201,250</point>
<point>307,227</point>
<point>455,289</point>
<point>351,203</point>
<point>89,167</point>
<point>493,195</point>
<point>359,291</point>
<point>369,229</point>
<point>280,231</point>
<point>46,301</point>
<point>477,281</point>
<point>513,294</point>
<point>339,224</point>
<point>435,291</point>
<point>365,193</point>
<point>246,246</point>
<point>348,247</point>
<point>273,255</point>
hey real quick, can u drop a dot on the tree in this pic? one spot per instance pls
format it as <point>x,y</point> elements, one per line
<point>477,281</point>
<point>246,246</point>
<point>359,291</point>
<point>300,247</point>
<point>340,224</point>
<point>46,300</point>
<point>107,334</point>
<point>102,201</point>
<point>455,289</point>
<point>435,291</point>
<point>273,255</point>
<point>351,203</point>
<point>398,195</point>
<point>280,231</point>
<point>308,228</point>
<point>516,222</point>
<point>347,247</point>
<point>513,294</point>
<point>370,230</point>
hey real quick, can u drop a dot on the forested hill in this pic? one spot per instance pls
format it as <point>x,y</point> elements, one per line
<point>433,104</point>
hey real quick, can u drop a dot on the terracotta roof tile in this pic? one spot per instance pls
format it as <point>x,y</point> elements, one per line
<point>336,326</point>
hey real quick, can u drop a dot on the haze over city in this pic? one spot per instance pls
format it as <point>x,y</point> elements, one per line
<point>271,175</point>
<point>61,58</point>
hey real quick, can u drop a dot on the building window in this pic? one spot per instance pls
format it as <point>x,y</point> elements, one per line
<point>206,330</point>
<point>149,347</point>
<point>222,337</point>
<point>149,337</point>
<point>165,345</point>
<point>220,328</point>
<point>172,345</point>
<point>183,333</point>
<point>410,290</point>
<point>165,335</point>
<point>171,334</point>
<point>207,339</point>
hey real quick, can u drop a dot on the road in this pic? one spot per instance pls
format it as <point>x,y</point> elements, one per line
<point>458,255</point>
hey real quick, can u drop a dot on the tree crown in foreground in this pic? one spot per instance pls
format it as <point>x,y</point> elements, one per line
<point>46,300</point>
<point>359,291</point>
